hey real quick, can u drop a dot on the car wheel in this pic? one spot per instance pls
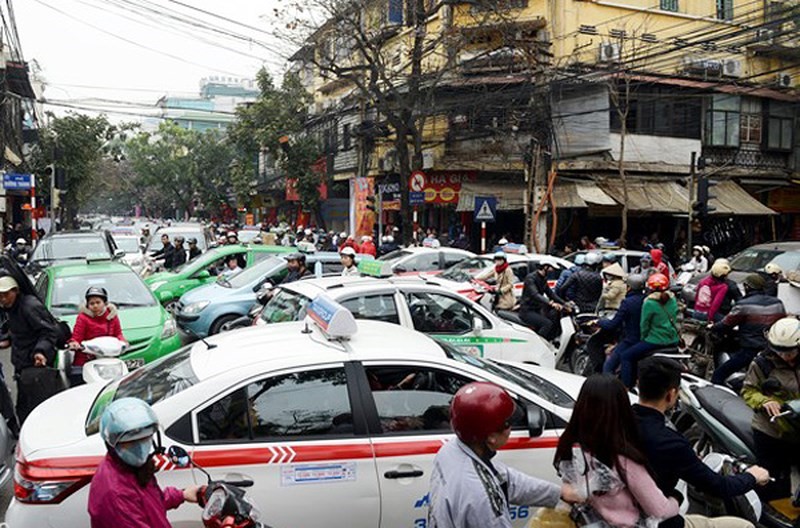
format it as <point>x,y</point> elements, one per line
<point>220,322</point>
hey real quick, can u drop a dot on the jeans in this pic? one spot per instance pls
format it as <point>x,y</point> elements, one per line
<point>539,323</point>
<point>629,359</point>
<point>703,316</point>
<point>737,362</point>
<point>612,363</point>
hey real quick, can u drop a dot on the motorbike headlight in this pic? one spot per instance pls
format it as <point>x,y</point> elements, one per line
<point>157,284</point>
<point>170,329</point>
<point>109,372</point>
<point>195,307</point>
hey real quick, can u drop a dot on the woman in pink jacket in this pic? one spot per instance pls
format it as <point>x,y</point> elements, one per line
<point>124,492</point>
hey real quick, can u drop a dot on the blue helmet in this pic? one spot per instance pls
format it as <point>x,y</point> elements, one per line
<point>127,419</point>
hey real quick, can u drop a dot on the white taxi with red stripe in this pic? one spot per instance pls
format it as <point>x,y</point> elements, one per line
<point>336,421</point>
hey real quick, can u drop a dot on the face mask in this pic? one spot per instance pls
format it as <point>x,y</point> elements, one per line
<point>136,454</point>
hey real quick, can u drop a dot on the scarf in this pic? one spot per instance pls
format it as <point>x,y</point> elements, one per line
<point>500,268</point>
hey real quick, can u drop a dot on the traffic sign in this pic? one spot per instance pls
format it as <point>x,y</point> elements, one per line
<point>416,198</point>
<point>17,181</point>
<point>485,208</point>
<point>417,181</point>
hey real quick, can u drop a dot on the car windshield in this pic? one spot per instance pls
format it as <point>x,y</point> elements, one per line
<point>466,269</point>
<point>751,260</point>
<point>394,256</point>
<point>155,242</point>
<point>125,290</point>
<point>789,261</point>
<point>284,306</point>
<point>254,273</point>
<point>536,384</point>
<point>129,245</point>
<point>70,247</point>
<point>152,383</point>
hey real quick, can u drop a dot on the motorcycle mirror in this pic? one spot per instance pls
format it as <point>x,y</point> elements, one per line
<point>536,421</point>
<point>179,456</point>
<point>477,325</point>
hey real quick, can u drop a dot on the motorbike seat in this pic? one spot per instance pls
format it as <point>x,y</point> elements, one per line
<point>730,410</point>
<point>665,351</point>
<point>509,316</point>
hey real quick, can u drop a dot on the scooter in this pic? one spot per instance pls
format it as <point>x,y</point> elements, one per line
<point>225,503</point>
<point>718,422</point>
<point>106,365</point>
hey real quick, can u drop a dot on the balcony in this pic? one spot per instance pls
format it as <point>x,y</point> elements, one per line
<point>749,159</point>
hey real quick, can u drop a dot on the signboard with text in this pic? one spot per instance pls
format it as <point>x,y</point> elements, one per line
<point>440,187</point>
<point>16,182</point>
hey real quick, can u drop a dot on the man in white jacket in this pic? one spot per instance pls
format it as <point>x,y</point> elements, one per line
<point>468,489</point>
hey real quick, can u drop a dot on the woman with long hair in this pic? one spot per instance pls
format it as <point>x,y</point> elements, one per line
<point>602,441</point>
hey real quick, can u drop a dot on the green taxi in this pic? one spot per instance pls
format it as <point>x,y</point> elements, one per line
<point>150,330</point>
<point>168,286</point>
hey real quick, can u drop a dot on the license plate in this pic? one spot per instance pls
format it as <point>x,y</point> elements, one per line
<point>134,363</point>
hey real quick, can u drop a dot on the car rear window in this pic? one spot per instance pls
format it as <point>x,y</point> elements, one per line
<point>70,247</point>
<point>152,383</point>
<point>285,305</point>
<point>753,259</point>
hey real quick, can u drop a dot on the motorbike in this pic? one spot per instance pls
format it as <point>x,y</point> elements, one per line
<point>106,365</point>
<point>718,422</point>
<point>151,266</point>
<point>225,503</point>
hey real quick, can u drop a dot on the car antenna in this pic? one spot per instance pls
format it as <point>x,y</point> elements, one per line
<point>209,346</point>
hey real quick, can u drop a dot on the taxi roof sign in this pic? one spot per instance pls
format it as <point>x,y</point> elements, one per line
<point>375,268</point>
<point>515,249</point>
<point>332,318</point>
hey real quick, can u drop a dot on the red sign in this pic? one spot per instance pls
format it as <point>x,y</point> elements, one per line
<point>417,181</point>
<point>441,187</point>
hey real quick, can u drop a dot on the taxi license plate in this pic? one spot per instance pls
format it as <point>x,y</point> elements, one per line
<point>134,363</point>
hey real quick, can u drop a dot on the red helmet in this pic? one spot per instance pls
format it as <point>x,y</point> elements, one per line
<point>658,282</point>
<point>480,409</point>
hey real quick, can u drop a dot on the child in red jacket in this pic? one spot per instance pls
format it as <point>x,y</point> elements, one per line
<point>97,318</point>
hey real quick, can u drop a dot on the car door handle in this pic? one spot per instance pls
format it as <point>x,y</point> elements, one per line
<point>395,474</point>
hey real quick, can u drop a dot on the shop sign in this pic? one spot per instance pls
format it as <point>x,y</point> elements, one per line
<point>17,182</point>
<point>441,187</point>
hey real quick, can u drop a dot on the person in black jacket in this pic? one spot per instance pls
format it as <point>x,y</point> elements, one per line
<point>33,333</point>
<point>625,324</point>
<point>671,456</point>
<point>539,306</point>
<point>179,253</point>
<point>194,251</point>
<point>166,252</point>
<point>296,262</point>
<point>588,284</point>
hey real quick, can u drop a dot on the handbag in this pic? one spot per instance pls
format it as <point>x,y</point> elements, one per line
<point>35,385</point>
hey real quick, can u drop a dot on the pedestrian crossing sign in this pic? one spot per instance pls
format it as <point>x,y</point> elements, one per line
<point>485,208</point>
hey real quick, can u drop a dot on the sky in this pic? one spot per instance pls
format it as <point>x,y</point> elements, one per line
<point>138,56</point>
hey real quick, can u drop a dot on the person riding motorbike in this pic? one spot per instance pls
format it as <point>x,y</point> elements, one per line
<point>658,327</point>
<point>614,290</point>
<point>348,258</point>
<point>368,246</point>
<point>658,262</point>
<point>179,256</point>
<point>124,492</point>
<point>699,260</point>
<point>20,251</point>
<point>194,251</point>
<point>539,305</point>
<point>580,260</point>
<point>296,262</point>
<point>588,284</point>
<point>670,455</point>
<point>388,245</point>
<point>626,322</point>
<point>711,292</point>
<point>468,488</point>
<point>504,281</point>
<point>96,318</point>
<point>645,266</point>
<point>753,315</point>
<point>772,275</point>
<point>167,252</point>
<point>772,380</point>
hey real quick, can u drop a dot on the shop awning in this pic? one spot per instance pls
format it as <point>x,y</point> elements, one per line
<point>650,196</point>
<point>578,195</point>
<point>510,196</point>
<point>733,200</point>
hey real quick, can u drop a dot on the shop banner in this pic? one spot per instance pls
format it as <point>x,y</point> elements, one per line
<point>364,218</point>
<point>441,187</point>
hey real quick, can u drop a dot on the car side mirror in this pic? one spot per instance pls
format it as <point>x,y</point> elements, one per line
<point>119,253</point>
<point>178,456</point>
<point>536,420</point>
<point>477,325</point>
<point>205,274</point>
<point>399,269</point>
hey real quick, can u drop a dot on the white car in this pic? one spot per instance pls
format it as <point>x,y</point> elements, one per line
<point>334,430</point>
<point>132,246</point>
<point>414,303</point>
<point>418,259</point>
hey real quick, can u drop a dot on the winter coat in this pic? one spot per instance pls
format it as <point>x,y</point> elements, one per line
<point>368,248</point>
<point>769,366</point>
<point>296,275</point>
<point>733,296</point>
<point>193,252</point>
<point>536,294</point>
<point>116,500</point>
<point>627,318</point>
<point>659,321</point>
<point>87,326</point>
<point>505,287</point>
<point>32,330</point>
<point>470,492</point>
<point>710,296</point>
<point>658,262</point>
<point>614,290</point>
<point>167,252</point>
<point>588,288</point>
<point>178,256</point>
<point>754,314</point>
<point>352,271</point>
<point>700,264</point>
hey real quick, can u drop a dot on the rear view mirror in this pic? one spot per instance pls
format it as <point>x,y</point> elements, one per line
<point>400,269</point>
<point>477,325</point>
<point>536,421</point>
<point>178,456</point>
<point>119,253</point>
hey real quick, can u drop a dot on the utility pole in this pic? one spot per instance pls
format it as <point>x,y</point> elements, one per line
<point>689,245</point>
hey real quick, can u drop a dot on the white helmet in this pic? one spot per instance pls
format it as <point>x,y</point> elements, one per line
<point>773,269</point>
<point>784,335</point>
<point>350,252</point>
<point>21,241</point>
<point>343,234</point>
<point>389,239</point>
<point>502,242</point>
<point>720,268</point>
<point>500,255</point>
<point>594,258</point>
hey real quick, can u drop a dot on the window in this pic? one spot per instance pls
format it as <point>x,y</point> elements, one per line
<point>346,138</point>
<point>303,404</point>
<point>285,306</point>
<point>451,259</point>
<point>751,121</point>
<point>725,9</point>
<point>723,121</point>
<point>661,111</point>
<point>374,307</point>
<point>669,5</point>
<point>780,122</point>
<point>441,314</point>
<point>422,262</point>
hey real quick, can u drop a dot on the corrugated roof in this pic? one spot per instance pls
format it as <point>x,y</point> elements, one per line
<point>649,196</point>
<point>733,200</point>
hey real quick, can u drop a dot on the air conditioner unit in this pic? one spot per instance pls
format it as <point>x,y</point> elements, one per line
<point>732,68</point>
<point>609,52</point>
<point>784,80</point>
<point>764,36</point>
<point>704,66</point>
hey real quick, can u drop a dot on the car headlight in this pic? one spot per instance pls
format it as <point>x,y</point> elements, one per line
<point>195,307</point>
<point>170,329</point>
<point>157,284</point>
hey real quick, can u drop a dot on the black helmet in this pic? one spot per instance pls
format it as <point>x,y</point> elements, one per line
<point>97,291</point>
<point>179,239</point>
<point>299,257</point>
<point>193,240</point>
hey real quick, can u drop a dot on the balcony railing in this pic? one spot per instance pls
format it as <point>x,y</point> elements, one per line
<point>755,159</point>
